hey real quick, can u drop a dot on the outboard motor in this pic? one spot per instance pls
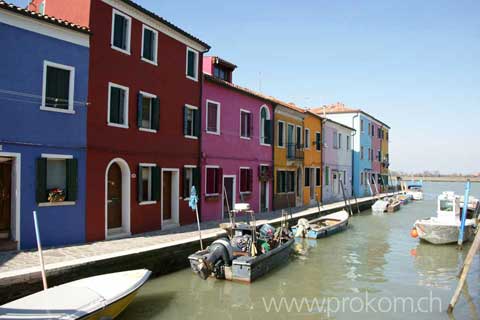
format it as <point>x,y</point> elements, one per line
<point>213,260</point>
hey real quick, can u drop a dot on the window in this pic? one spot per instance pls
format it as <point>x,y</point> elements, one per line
<point>307,138</point>
<point>58,87</point>
<point>379,133</point>
<point>121,26</point>
<point>362,125</point>
<point>245,124</point>
<point>307,177</point>
<point>349,146</point>
<point>148,183</point>
<point>56,174</point>
<point>379,155</point>
<point>221,73</point>
<point>281,134</point>
<point>339,141</point>
<point>149,45</point>
<point>148,112</point>
<point>327,175</point>
<point>335,140</point>
<point>117,105</point>
<point>369,129</point>
<point>213,117</point>
<point>362,151</point>
<point>191,177</point>
<point>361,178</point>
<point>371,154</point>
<point>213,180</point>
<point>318,177</point>
<point>318,141</point>
<point>191,122</point>
<point>373,130</point>
<point>246,178</point>
<point>285,181</point>
<point>192,64</point>
<point>299,137</point>
<point>265,126</point>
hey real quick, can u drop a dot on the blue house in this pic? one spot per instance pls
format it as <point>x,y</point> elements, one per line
<point>43,109</point>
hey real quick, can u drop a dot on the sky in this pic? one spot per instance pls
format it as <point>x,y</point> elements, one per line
<point>413,64</point>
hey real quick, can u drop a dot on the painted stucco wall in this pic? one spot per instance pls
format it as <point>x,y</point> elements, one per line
<point>29,131</point>
<point>312,158</point>
<point>228,150</point>
<point>376,144</point>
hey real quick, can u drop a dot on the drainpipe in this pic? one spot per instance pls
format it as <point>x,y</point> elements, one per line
<point>353,162</point>
<point>200,140</point>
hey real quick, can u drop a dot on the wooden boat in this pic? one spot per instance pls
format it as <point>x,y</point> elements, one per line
<point>323,226</point>
<point>98,297</point>
<point>393,205</point>
<point>247,255</point>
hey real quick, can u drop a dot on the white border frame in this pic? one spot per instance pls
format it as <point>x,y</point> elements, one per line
<point>175,198</point>
<point>234,191</point>
<point>301,134</point>
<point>16,193</point>
<point>150,182</point>
<point>195,78</point>
<point>240,181</point>
<point>71,87</point>
<point>129,33</point>
<point>267,190</point>
<point>151,96</point>
<point>218,116</point>
<point>189,106</point>
<point>126,205</point>
<point>53,156</point>
<point>309,137</point>
<point>251,133</point>
<point>125,109</point>
<point>155,54</point>
<point>283,135</point>
<point>190,166</point>
<point>269,117</point>
<point>211,194</point>
<point>319,142</point>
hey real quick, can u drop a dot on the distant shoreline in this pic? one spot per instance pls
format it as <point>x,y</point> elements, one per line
<point>442,179</point>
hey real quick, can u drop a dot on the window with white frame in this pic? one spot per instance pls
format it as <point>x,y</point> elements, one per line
<point>318,141</point>
<point>192,64</point>
<point>335,139</point>
<point>265,126</point>
<point>117,105</point>
<point>307,177</point>
<point>191,122</point>
<point>318,177</point>
<point>148,183</point>
<point>191,177</point>
<point>362,178</point>
<point>349,146</point>
<point>285,181</point>
<point>57,178</point>
<point>281,134</point>
<point>362,151</point>
<point>213,117</point>
<point>213,180</point>
<point>339,141</point>
<point>58,87</point>
<point>307,138</point>
<point>362,126</point>
<point>246,177</point>
<point>149,44</point>
<point>121,31</point>
<point>245,124</point>
<point>148,112</point>
<point>299,137</point>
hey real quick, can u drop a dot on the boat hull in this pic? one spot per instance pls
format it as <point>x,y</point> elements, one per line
<point>113,310</point>
<point>442,234</point>
<point>325,231</point>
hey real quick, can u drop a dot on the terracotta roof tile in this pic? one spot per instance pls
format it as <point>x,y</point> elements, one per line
<point>43,17</point>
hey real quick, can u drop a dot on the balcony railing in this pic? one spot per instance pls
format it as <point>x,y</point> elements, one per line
<point>295,151</point>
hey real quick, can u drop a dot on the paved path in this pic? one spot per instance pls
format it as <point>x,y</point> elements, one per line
<point>23,264</point>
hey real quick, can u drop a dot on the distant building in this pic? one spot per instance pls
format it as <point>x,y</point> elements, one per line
<point>236,162</point>
<point>43,128</point>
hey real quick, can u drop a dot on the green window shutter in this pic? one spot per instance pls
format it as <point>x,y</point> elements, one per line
<point>155,114</point>
<point>148,44</point>
<point>185,122</point>
<point>139,109</point>
<point>197,123</point>
<point>327,176</point>
<point>120,28</point>
<point>196,180</point>
<point>114,105</point>
<point>41,188</point>
<point>268,131</point>
<point>156,183</point>
<point>191,63</point>
<point>139,185</point>
<point>72,179</point>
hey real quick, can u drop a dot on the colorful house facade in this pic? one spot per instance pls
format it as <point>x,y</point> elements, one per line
<point>288,156</point>
<point>312,162</point>
<point>43,108</point>
<point>337,161</point>
<point>385,163</point>
<point>144,118</point>
<point>236,163</point>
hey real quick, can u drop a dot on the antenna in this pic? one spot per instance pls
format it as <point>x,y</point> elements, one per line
<point>260,81</point>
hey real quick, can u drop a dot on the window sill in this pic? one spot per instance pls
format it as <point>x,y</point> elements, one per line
<point>120,50</point>
<point>147,130</point>
<point>213,132</point>
<point>245,138</point>
<point>246,193</point>
<point>192,78</point>
<point>265,144</point>
<point>146,203</point>
<point>69,111</point>
<point>149,61</point>
<point>191,137</point>
<point>281,147</point>
<point>57,204</point>
<point>116,125</point>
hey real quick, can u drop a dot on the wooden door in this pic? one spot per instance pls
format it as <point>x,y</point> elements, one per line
<point>5,197</point>
<point>167,195</point>
<point>263,196</point>
<point>114,196</point>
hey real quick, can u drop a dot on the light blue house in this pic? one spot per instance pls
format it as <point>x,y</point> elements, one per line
<point>43,108</point>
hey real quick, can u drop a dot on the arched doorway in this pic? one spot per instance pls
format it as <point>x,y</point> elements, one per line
<point>117,202</point>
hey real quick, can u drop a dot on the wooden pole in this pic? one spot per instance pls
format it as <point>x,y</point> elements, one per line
<point>466,267</point>
<point>40,252</point>
<point>199,229</point>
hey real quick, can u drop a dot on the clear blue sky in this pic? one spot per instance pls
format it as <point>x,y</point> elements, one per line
<point>413,64</point>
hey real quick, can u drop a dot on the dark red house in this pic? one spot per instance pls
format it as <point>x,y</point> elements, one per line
<point>143,146</point>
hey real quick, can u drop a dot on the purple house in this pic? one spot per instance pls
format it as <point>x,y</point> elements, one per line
<point>236,144</point>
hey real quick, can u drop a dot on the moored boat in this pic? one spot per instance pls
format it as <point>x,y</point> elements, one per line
<point>323,226</point>
<point>393,205</point>
<point>415,189</point>
<point>380,206</point>
<point>99,297</point>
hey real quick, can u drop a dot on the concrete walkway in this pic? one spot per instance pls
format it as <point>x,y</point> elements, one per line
<point>21,267</point>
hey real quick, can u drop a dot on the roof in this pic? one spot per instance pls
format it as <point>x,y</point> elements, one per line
<point>218,60</point>
<point>42,17</point>
<point>165,22</point>
<point>342,108</point>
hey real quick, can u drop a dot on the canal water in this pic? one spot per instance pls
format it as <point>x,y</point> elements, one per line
<point>374,270</point>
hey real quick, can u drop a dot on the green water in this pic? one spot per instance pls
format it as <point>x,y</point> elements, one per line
<point>374,262</point>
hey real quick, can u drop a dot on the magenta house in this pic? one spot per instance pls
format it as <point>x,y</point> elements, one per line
<point>236,144</point>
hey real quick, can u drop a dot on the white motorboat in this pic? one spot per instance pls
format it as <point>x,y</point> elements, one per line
<point>444,228</point>
<point>380,206</point>
<point>416,192</point>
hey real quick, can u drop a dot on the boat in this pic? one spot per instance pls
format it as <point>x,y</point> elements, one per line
<point>99,297</point>
<point>404,198</point>
<point>473,206</point>
<point>393,205</point>
<point>444,228</point>
<point>415,189</point>
<point>247,254</point>
<point>380,206</point>
<point>321,227</point>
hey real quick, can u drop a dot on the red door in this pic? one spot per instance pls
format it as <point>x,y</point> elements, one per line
<point>114,197</point>
<point>5,198</point>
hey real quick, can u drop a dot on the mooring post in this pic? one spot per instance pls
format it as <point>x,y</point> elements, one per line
<point>40,252</point>
<point>464,214</point>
